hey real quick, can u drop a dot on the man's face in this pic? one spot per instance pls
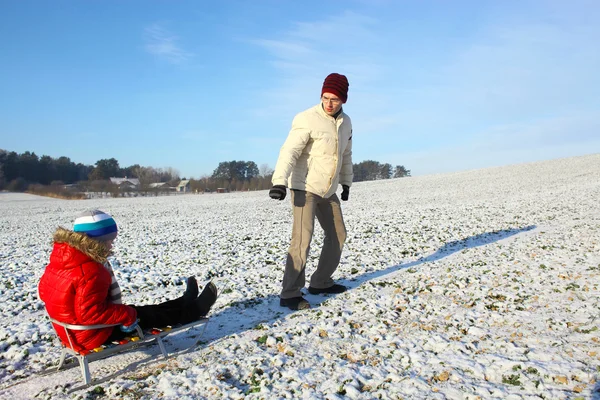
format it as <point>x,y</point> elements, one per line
<point>331,103</point>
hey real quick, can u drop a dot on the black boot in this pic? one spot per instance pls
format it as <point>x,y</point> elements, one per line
<point>200,306</point>
<point>191,290</point>
<point>207,298</point>
<point>336,288</point>
<point>295,303</point>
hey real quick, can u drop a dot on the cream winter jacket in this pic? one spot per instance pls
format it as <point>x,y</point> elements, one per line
<point>317,154</point>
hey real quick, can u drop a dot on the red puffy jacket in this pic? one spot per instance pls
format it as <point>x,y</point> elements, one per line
<point>75,288</point>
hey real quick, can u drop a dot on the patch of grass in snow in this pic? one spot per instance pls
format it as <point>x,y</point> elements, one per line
<point>254,381</point>
<point>532,371</point>
<point>96,392</point>
<point>512,379</point>
<point>262,339</point>
<point>249,303</point>
<point>572,286</point>
<point>521,298</point>
<point>586,331</point>
<point>382,284</point>
<point>342,389</point>
<point>411,291</point>
<point>497,297</point>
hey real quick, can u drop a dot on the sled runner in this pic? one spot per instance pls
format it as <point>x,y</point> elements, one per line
<point>143,338</point>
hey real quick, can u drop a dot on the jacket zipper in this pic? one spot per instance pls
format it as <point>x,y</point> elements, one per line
<point>337,141</point>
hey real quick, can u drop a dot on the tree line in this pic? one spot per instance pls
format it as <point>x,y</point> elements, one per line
<point>372,170</point>
<point>19,171</point>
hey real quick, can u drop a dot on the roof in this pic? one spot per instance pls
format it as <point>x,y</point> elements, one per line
<point>158,184</point>
<point>184,182</point>
<point>121,181</point>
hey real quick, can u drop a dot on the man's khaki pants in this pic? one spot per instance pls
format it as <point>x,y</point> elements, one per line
<point>307,206</point>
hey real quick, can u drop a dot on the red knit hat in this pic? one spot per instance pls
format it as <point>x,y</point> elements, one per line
<point>336,84</point>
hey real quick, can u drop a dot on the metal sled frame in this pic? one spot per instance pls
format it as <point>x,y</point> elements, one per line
<point>99,353</point>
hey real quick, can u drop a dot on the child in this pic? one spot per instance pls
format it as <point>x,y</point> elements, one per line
<point>79,287</point>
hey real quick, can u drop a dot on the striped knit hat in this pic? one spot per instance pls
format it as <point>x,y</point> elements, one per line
<point>336,84</point>
<point>97,225</point>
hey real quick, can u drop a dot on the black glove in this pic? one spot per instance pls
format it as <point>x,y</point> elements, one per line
<point>345,192</point>
<point>277,192</point>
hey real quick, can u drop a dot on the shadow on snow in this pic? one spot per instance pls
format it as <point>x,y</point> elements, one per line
<point>249,313</point>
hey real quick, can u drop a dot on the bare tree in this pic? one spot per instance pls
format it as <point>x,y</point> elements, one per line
<point>265,170</point>
<point>146,175</point>
<point>173,173</point>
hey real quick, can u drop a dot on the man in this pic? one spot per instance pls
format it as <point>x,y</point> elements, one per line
<point>315,158</point>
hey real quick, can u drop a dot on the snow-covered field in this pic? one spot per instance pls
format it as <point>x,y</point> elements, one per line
<point>472,285</point>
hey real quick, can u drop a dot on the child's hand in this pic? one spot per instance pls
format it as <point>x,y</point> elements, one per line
<point>129,328</point>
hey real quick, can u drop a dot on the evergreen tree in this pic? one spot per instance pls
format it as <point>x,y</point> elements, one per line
<point>401,172</point>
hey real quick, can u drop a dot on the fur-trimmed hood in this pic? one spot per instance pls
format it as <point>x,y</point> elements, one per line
<point>94,249</point>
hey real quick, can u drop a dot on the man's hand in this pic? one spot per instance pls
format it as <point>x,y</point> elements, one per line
<point>277,192</point>
<point>129,328</point>
<point>345,192</point>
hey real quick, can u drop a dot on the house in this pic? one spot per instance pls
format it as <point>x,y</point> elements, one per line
<point>126,183</point>
<point>184,186</point>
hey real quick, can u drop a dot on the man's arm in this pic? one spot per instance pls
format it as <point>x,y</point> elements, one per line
<point>290,151</point>
<point>346,173</point>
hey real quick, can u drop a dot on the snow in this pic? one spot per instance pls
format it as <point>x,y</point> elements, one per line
<point>473,285</point>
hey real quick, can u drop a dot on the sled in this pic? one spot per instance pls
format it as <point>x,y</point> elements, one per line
<point>140,338</point>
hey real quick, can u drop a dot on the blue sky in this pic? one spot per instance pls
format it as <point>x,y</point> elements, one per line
<point>436,86</point>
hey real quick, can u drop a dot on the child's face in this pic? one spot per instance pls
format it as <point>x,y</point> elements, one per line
<point>109,244</point>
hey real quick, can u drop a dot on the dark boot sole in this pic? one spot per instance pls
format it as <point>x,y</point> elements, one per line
<point>335,289</point>
<point>295,303</point>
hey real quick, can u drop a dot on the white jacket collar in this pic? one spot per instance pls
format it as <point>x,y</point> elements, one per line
<point>320,110</point>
